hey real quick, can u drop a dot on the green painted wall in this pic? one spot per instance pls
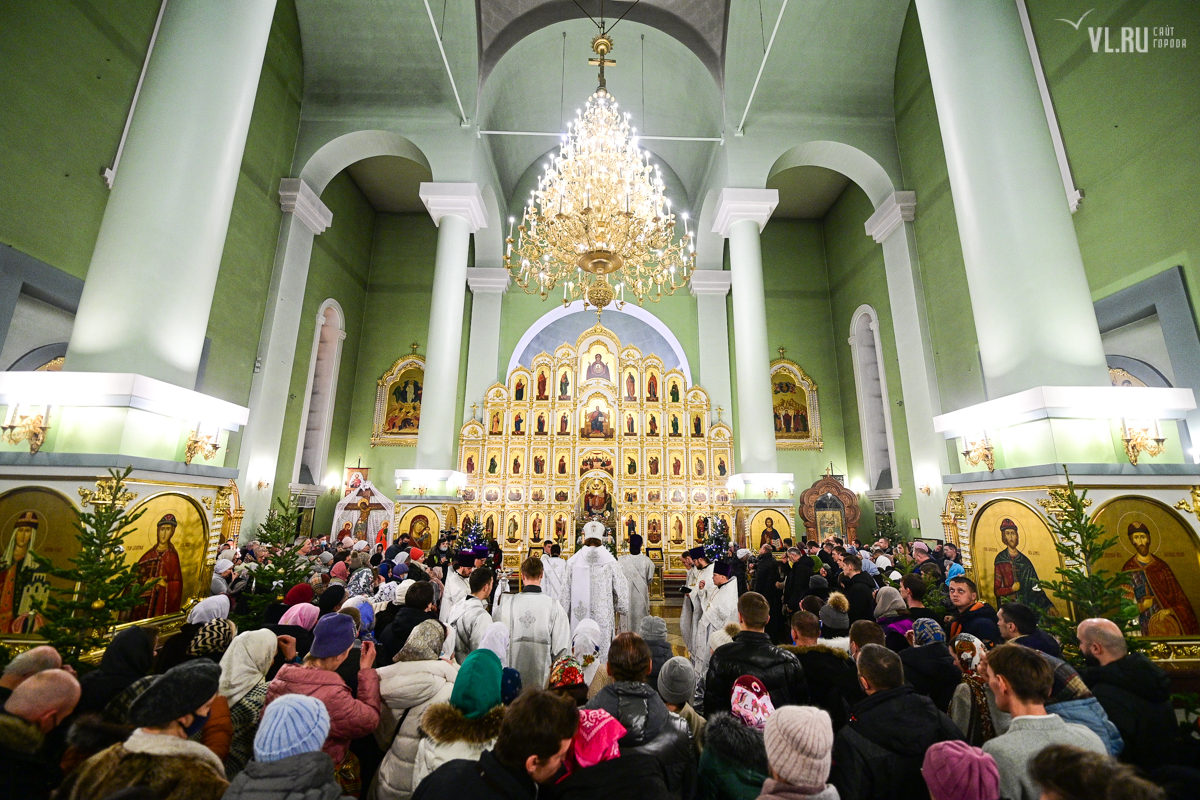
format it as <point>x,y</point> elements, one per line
<point>857,276</point>
<point>340,268</point>
<point>246,264</point>
<point>67,76</point>
<point>798,319</point>
<point>1129,123</point>
<point>923,164</point>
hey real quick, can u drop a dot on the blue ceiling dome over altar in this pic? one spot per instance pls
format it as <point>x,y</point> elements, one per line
<point>630,329</point>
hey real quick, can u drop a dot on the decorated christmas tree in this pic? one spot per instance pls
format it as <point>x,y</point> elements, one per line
<point>717,545</point>
<point>88,597</point>
<point>471,536</point>
<point>282,566</point>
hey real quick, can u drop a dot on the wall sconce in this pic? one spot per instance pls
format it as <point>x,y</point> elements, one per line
<point>263,483</point>
<point>200,445</point>
<point>422,489</point>
<point>926,489</point>
<point>1146,439</point>
<point>21,427</point>
<point>979,451</point>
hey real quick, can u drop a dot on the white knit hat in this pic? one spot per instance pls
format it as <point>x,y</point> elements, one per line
<point>799,742</point>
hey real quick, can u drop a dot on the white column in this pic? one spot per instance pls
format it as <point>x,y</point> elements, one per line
<point>488,286</point>
<point>1033,308</point>
<point>458,211</point>
<point>709,287</point>
<point>741,216</point>
<point>304,217</point>
<point>150,285</point>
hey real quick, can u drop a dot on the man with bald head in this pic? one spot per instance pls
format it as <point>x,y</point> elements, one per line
<point>1134,692</point>
<point>37,706</point>
<point>31,662</point>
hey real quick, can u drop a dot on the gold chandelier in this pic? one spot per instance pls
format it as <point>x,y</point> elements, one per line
<point>599,215</point>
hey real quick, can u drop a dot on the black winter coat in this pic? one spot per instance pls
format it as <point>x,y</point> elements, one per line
<point>979,620</point>
<point>635,775</point>
<point>751,653</point>
<point>660,653</point>
<point>393,637</point>
<point>932,671</point>
<point>651,730</point>
<point>832,680</point>
<point>308,776</point>
<point>485,779</point>
<point>860,591</point>
<point>796,585</point>
<point>878,755</point>
<point>1136,694</point>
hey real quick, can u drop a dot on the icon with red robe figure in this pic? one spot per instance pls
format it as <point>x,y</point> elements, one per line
<point>160,567</point>
<point>1163,608</point>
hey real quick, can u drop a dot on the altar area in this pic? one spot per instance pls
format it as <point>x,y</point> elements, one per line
<point>596,428</point>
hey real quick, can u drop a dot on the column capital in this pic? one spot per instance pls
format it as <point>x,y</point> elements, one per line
<point>458,199</point>
<point>297,197</point>
<point>710,281</point>
<point>897,208</point>
<point>488,279</point>
<point>735,205</point>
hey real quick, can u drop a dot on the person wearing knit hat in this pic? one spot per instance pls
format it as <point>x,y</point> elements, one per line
<point>326,558</point>
<point>799,743</point>
<point>287,754</point>
<point>415,554</point>
<point>954,770</point>
<point>213,639</point>
<point>360,545</point>
<point>723,636</point>
<point>734,761</point>
<point>677,686</point>
<point>158,755</point>
<point>835,616</point>
<point>300,593</point>
<point>331,599</point>
<point>653,631</point>
<point>510,685</point>
<point>469,723</point>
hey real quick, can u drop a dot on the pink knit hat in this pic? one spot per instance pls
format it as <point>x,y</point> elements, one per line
<point>954,770</point>
<point>799,742</point>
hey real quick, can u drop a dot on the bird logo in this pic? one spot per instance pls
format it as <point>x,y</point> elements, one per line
<point>1076,25</point>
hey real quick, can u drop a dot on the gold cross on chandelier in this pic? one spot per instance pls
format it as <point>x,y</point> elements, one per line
<point>602,45</point>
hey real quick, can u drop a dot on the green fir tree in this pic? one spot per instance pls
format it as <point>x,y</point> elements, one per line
<point>282,566</point>
<point>88,598</point>
<point>1089,590</point>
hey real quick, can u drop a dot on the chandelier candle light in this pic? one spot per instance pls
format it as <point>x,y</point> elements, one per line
<point>599,215</point>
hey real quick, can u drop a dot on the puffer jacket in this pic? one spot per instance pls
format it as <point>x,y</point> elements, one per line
<point>878,755</point>
<point>652,730</point>
<point>1136,694</point>
<point>349,718</point>
<point>308,776</point>
<point>751,653</point>
<point>407,690</point>
<point>1088,712</point>
<point>734,763</point>
<point>660,653</point>
<point>832,680</point>
<point>447,735</point>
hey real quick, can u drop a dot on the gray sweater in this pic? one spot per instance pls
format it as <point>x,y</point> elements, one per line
<point>1026,737</point>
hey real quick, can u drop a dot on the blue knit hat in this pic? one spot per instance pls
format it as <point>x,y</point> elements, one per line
<point>333,635</point>
<point>510,685</point>
<point>292,724</point>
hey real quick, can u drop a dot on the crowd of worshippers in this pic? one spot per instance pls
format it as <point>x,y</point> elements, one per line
<point>817,671</point>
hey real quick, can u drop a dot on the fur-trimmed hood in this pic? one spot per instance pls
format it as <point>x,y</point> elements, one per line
<point>736,743</point>
<point>798,649</point>
<point>18,735</point>
<point>445,724</point>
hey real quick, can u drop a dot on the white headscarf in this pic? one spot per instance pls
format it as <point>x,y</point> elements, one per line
<point>222,565</point>
<point>585,646</point>
<point>245,663</point>
<point>495,638</point>
<point>210,608</point>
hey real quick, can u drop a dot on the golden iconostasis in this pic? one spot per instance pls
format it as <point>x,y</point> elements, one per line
<point>602,425</point>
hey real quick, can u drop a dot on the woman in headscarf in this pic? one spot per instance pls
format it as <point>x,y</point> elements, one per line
<point>213,639</point>
<point>973,705</point>
<point>208,609</point>
<point>338,575</point>
<point>418,607</point>
<point>174,649</point>
<point>585,646</point>
<point>495,638</point>
<point>331,599</point>
<point>244,687</point>
<point>127,658</point>
<point>955,570</point>
<point>469,722</point>
<point>891,612</point>
<point>300,593</point>
<point>734,765</point>
<point>596,769</point>
<point>419,679</point>
<point>361,583</point>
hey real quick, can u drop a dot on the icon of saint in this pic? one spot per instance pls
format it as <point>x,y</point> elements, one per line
<point>631,466</point>
<point>518,421</point>
<point>596,420</point>
<point>629,424</point>
<point>519,392</point>
<point>160,567</point>
<point>564,387</point>
<point>541,424</point>
<point>674,424</point>
<point>654,531</point>
<point>721,468</point>
<point>541,386</point>
<point>653,463</point>
<point>495,423</point>
<point>562,465</point>
<point>1016,579</point>
<point>677,531</point>
<point>598,369</point>
<point>674,392</point>
<point>676,466</point>
<point>516,468</point>
<point>699,467</point>
<point>23,584</point>
<point>697,426</point>
<point>563,425</point>
<point>471,464</point>
<point>493,466</point>
<point>513,526</point>
<point>535,529</point>
<point>652,388</point>
<point>1163,608</point>
<point>630,387</point>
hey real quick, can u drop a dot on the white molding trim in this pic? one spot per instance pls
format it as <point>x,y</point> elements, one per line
<point>863,400</point>
<point>297,197</point>
<point>488,279</point>
<point>896,209</point>
<point>1067,402</point>
<point>457,199</point>
<point>735,205</point>
<point>633,310</point>
<point>1074,194</point>
<point>710,281</point>
<point>118,390</point>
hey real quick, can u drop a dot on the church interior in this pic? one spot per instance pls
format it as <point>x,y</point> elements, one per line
<point>857,269</point>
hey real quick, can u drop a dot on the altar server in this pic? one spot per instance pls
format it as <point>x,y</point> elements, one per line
<point>539,632</point>
<point>639,572</point>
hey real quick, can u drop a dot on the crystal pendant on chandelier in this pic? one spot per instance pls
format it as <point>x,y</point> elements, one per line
<point>599,216</point>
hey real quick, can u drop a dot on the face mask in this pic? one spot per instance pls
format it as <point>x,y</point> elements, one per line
<point>197,724</point>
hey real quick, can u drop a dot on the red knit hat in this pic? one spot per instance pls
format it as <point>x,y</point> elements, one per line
<point>954,770</point>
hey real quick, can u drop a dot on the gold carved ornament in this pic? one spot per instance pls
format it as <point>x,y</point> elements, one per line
<point>1056,504</point>
<point>200,445</point>
<point>23,427</point>
<point>978,452</point>
<point>104,495</point>
<point>1146,439</point>
<point>1194,506</point>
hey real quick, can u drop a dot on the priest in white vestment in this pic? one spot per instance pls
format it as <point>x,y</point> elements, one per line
<point>539,632</point>
<point>685,613</point>
<point>639,572</point>
<point>596,587</point>
<point>722,604</point>
<point>554,573</point>
<point>698,601</point>
<point>470,618</point>
<point>457,586</point>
